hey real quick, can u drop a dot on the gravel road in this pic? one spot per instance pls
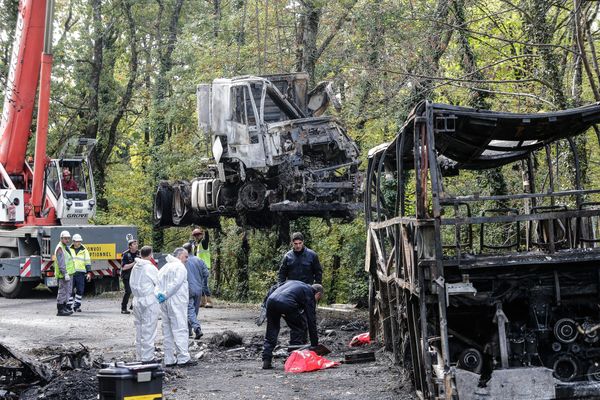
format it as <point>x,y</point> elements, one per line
<point>31,325</point>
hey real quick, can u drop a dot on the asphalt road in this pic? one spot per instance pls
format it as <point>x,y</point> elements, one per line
<point>28,324</point>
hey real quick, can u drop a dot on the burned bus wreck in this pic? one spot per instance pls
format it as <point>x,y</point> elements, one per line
<point>488,292</point>
<point>275,155</point>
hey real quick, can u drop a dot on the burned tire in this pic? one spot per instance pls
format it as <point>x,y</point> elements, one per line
<point>181,208</point>
<point>162,205</point>
<point>13,287</point>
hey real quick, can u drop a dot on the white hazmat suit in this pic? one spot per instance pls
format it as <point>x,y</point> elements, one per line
<point>172,282</point>
<point>143,281</point>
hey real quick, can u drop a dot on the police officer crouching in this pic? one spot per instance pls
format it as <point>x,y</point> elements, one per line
<point>296,302</point>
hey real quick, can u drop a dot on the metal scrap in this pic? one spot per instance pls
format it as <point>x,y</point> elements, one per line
<point>17,368</point>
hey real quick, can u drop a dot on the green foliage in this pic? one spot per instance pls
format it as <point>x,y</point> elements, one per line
<point>383,57</point>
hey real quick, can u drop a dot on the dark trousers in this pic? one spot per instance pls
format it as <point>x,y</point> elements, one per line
<point>206,277</point>
<point>193,307</point>
<point>79,283</point>
<point>78,288</point>
<point>126,295</point>
<point>294,320</point>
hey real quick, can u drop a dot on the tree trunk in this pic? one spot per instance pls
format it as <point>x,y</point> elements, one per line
<point>110,140</point>
<point>216,18</point>
<point>283,233</point>
<point>478,99</point>
<point>335,268</point>
<point>159,124</point>
<point>243,278</point>
<point>312,16</point>
<point>541,31</point>
<point>91,130</point>
<point>493,177</point>
<point>216,263</point>
<point>439,36</point>
<point>374,46</point>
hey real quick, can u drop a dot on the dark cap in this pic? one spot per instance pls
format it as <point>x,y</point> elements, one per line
<point>297,236</point>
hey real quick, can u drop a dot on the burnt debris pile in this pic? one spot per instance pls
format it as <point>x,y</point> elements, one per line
<point>50,373</point>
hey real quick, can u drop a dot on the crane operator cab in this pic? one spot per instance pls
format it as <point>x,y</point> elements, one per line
<point>70,182</point>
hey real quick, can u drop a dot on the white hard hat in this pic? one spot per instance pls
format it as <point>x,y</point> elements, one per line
<point>65,234</point>
<point>77,238</point>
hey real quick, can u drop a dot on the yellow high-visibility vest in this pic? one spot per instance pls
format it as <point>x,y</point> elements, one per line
<point>68,261</point>
<point>81,258</point>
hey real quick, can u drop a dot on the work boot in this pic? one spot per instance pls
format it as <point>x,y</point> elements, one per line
<point>189,363</point>
<point>267,364</point>
<point>203,301</point>
<point>198,333</point>
<point>68,309</point>
<point>209,303</point>
<point>62,310</point>
<point>125,312</point>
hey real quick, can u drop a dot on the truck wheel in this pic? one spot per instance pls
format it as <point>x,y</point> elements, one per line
<point>162,205</point>
<point>13,287</point>
<point>182,212</point>
<point>252,196</point>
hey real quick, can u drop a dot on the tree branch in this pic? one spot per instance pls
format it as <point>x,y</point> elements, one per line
<point>338,25</point>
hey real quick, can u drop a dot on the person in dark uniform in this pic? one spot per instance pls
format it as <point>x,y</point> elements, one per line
<point>296,302</point>
<point>127,262</point>
<point>300,263</point>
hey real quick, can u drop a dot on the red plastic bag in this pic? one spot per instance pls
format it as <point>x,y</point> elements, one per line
<point>307,361</point>
<point>359,340</point>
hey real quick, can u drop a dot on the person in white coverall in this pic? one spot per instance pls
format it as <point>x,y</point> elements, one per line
<point>173,296</point>
<point>143,281</point>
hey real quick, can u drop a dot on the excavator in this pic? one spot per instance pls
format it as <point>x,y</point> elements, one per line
<point>39,196</point>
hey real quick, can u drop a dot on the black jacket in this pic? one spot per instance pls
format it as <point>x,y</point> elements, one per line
<point>303,266</point>
<point>298,296</point>
<point>127,258</point>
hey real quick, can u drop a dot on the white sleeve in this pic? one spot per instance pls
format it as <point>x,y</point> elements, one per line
<point>176,278</point>
<point>153,274</point>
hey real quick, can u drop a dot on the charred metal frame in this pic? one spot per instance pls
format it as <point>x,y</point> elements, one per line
<point>406,255</point>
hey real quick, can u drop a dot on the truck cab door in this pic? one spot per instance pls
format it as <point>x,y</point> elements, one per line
<point>245,138</point>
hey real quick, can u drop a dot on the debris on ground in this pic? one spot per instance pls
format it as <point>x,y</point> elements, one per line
<point>354,326</point>
<point>360,340</point>
<point>67,358</point>
<point>78,384</point>
<point>227,339</point>
<point>49,373</point>
<point>18,371</point>
<point>359,357</point>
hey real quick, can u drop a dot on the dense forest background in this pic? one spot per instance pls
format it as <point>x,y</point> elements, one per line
<point>125,73</point>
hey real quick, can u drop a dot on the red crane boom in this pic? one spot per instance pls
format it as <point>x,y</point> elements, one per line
<point>21,88</point>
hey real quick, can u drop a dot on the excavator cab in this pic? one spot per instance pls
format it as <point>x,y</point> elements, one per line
<point>69,180</point>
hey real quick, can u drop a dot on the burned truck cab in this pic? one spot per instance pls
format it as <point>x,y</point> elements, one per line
<point>484,252</point>
<point>274,154</point>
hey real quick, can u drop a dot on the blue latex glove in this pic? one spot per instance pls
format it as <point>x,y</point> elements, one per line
<point>161,298</point>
